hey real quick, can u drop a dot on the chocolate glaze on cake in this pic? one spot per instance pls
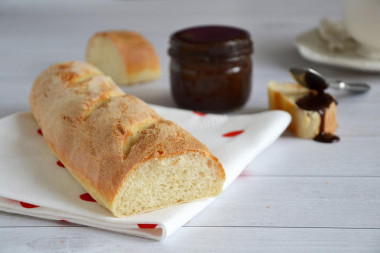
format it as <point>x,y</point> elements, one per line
<point>319,102</point>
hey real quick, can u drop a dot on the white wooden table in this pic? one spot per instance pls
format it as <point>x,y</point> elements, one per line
<point>297,196</point>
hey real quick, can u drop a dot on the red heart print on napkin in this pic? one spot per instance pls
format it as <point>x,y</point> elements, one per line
<point>199,113</point>
<point>145,226</point>
<point>233,133</point>
<point>27,205</point>
<point>60,164</point>
<point>87,197</point>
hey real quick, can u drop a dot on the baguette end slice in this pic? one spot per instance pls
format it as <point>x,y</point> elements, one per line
<point>304,124</point>
<point>126,56</point>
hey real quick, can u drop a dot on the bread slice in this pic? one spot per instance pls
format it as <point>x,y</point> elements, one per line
<point>304,124</point>
<point>124,154</point>
<point>126,56</point>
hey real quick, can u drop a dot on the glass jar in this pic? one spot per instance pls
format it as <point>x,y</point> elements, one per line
<point>211,68</point>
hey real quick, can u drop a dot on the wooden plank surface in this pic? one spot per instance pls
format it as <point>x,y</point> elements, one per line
<point>191,239</point>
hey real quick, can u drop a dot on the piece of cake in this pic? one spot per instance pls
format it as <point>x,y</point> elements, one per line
<point>313,114</point>
<point>126,56</point>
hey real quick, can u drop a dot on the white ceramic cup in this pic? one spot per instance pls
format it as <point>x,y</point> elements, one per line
<point>362,21</point>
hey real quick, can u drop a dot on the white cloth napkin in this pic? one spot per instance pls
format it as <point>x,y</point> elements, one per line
<point>33,183</point>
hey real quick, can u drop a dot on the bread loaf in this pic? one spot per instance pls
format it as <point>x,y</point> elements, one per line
<point>123,153</point>
<point>126,56</point>
<point>305,124</point>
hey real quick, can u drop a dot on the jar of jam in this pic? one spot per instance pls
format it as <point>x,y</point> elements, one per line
<point>211,68</point>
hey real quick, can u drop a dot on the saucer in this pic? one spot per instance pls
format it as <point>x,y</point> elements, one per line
<point>312,47</point>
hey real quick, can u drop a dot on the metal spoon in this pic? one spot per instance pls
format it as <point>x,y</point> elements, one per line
<point>311,79</point>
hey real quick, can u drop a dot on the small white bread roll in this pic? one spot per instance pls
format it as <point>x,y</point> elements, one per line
<point>123,153</point>
<point>126,56</point>
<point>304,124</point>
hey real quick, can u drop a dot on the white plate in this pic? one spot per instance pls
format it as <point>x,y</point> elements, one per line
<point>312,47</point>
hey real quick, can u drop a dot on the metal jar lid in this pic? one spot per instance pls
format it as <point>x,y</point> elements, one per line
<point>209,43</point>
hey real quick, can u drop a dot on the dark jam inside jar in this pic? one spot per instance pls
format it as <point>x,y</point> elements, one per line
<point>211,68</point>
